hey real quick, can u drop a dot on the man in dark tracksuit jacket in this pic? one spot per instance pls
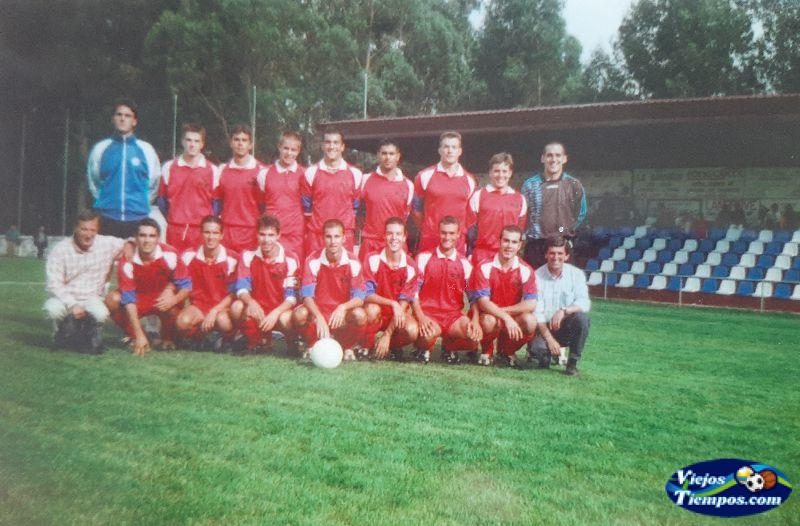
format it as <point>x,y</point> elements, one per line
<point>556,204</point>
<point>123,174</point>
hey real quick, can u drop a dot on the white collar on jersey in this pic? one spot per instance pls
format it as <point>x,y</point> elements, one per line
<point>506,189</point>
<point>398,174</point>
<point>249,165</point>
<point>281,254</point>
<point>341,166</point>
<point>514,262</point>
<point>441,255</point>
<point>458,173</point>
<point>222,255</point>
<point>343,260</point>
<point>157,254</point>
<point>280,168</point>
<point>201,161</point>
<point>403,260</point>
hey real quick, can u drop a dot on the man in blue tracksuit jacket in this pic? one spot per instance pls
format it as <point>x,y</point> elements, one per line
<point>123,174</point>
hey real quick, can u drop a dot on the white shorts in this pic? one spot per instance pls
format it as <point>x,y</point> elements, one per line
<point>96,307</point>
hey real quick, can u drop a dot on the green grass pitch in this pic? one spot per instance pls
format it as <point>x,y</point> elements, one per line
<point>198,438</point>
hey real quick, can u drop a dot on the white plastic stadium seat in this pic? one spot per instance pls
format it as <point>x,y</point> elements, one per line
<point>692,285</point>
<point>703,271</point>
<point>649,255</point>
<point>796,239</point>
<point>637,267</point>
<point>659,243</point>
<point>733,233</point>
<point>690,245</point>
<point>774,275</point>
<point>659,283</point>
<point>727,287</point>
<point>783,262</point>
<point>629,242</point>
<point>595,278</point>
<point>756,247</point>
<point>681,257</point>
<point>607,266</point>
<point>640,231</point>
<point>765,236</point>
<point>625,281</point>
<point>619,254</point>
<point>796,294</point>
<point>748,260</point>
<point>790,249</point>
<point>763,290</point>
<point>714,258</point>
<point>670,269</point>
<point>723,246</point>
<point>738,272</point>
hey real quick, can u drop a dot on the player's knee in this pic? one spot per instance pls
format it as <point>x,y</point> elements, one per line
<point>237,308</point>
<point>488,322</point>
<point>113,300</point>
<point>300,316</point>
<point>358,316</point>
<point>184,321</point>
<point>527,322</point>
<point>55,309</point>
<point>373,312</point>
<point>412,329</point>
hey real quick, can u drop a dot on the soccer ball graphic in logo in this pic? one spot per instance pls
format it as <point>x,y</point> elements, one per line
<point>743,473</point>
<point>755,483</point>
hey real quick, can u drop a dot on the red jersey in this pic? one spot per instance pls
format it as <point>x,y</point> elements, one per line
<point>383,198</point>
<point>332,283</point>
<point>443,282</point>
<point>398,284</point>
<point>504,287</point>
<point>239,193</point>
<point>438,194</point>
<point>331,193</point>
<point>141,282</point>
<point>270,283</point>
<point>494,210</point>
<point>212,280</point>
<point>188,190</point>
<point>282,197</point>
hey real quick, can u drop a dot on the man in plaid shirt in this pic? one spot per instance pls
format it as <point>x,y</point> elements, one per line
<point>77,271</point>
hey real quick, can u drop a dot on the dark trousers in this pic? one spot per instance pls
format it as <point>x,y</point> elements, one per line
<point>121,229</point>
<point>573,333</point>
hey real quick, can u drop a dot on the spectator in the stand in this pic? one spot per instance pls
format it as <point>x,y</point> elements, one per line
<point>622,209</point>
<point>12,240</point>
<point>700,227</point>
<point>738,216</point>
<point>664,218</point>
<point>724,217</point>
<point>789,219</point>
<point>40,240</point>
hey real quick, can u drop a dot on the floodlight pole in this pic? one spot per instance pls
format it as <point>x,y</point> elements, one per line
<point>21,169</point>
<point>253,119</point>
<point>66,172</point>
<point>174,124</point>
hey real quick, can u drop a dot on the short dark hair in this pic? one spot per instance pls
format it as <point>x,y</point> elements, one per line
<point>500,158</point>
<point>332,130</point>
<point>269,222</point>
<point>449,220</point>
<point>330,223</point>
<point>128,103</point>
<point>556,242</point>
<point>86,215</point>
<point>211,219</point>
<point>388,142</point>
<point>514,229</point>
<point>554,143</point>
<point>194,128</point>
<point>394,220</point>
<point>148,221</point>
<point>241,128</point>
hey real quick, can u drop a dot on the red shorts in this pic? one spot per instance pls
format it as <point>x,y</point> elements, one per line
<point>445,319</point>
<point>184,237</point>
<point>481,254</point>
<point>295,243</point>
<point>240,238</point>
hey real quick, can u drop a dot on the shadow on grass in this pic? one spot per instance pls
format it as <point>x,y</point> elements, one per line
<point>41,340</point>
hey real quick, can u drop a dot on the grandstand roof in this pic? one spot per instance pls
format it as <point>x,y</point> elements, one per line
<point>716,131</point>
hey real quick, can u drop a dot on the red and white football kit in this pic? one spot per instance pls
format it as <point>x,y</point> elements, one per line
<point>188,192</point>
<point>212,279</point>
<point>282,199</point>
<point>505,288</point>
<point>270,283</point>
<point>332,283</point>
<point>143,282</point>
<point>241,198</point>
<point>330,192</point>
<point>382,198</point>
<point>443,283</point>
<point>493,210</point>
<point>397,284</point>
<point>438,194</point>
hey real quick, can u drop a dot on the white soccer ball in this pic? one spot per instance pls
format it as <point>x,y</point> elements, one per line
<point>326,353</point>
<point>755,483</point>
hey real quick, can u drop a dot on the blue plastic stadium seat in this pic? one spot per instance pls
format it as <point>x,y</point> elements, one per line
<point>773,248</point>
<point>622,266</point>
<point>674,283</point>
<point>666,256</point>
<point>604,253</point>
<point>697,258</point>
<point>781,236</point>
<point>654,267</point>
<point>783,291</point>
<point>792,275</point>
<point>721,271</point>
<point>740,246</point>
<point>612,279</point>
<point>644,243</point>
<point>600,232</point>
<point>675,244</point>
<point>748,235</point>
<point>765,261</point>
<point>642,281</point>
<point>706,245</point>
<point>625,231</point>
<point>715,234</point>
<point>614,242</point>
<point>745,288</point>
<point>710,285</point>
<point>731,260</point>
<point>686,269</point>
<point>756,273</point>
<point>796,263</point>
<point>633,254</point>
<point>592,264</point>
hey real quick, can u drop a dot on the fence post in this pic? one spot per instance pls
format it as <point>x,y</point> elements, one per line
<point>66,172</point>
